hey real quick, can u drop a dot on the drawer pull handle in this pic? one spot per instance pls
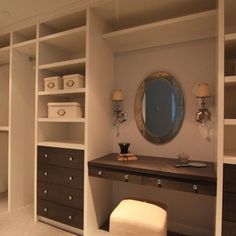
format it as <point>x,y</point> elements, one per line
<point>70,198</point>
<point>70,83</point>
<point>126,177</point>
<point>159,183</point>
<point>71,158</point>
<point>50,85</point>
<point>46,155</point>
<point>195,188</point>
<point>45,191</point>
<point>45,209</point>
<point>71,178</point>
<point>45,173</point>
<point>61,112</point>
<point>70,217</point>
<point>99,172</point>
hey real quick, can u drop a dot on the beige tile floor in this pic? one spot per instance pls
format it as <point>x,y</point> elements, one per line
<point>20,223</point>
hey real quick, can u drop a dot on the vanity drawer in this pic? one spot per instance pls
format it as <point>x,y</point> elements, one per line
<point>229,178</point>
<point>229,206</point>
<point>63,176</point>
<point>200,188</point>
<point>58,194</point>
<point>63,214</point>
<point>228,228</point>
<point>61,157</point>
<point>115,175</point>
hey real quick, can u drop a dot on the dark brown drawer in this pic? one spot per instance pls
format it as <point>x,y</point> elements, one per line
<point>61,157</point>
<point>228,228</point>
<point>63,214</point>
<point>195,187</point>
<point>230,178</point>
<point>115,175</point>
<point>62,195</point>
<point>229,206</point>
<point>63,176</point>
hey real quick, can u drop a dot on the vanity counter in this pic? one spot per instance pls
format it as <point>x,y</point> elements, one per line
<point>156,171</point>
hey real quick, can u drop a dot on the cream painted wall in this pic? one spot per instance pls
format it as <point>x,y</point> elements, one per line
<point>190,63</point>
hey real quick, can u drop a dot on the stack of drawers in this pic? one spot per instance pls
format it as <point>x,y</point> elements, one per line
<point>229,201</point>
<point>60,185</point>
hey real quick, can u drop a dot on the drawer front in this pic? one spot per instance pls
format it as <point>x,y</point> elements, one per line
<point>58,194</point>
<point>115,175</point>
<point>228,228</point>
<point>229,178</point>
<point>229,206</point>
<point>63,214</point>
<point>62,176</point>
<point>200,188</point>
<point>61,157</point>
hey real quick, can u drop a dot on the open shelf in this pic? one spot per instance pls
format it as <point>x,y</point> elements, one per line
<point>62,92</point>
<point>4,128</point>
<point>72,120</point>
<point>176,30</point>
<point>24,35</point>
<point>65,67</point>
<point>230,80</point>
<point>4,56</point>
<point>27,48</point>
<point>63,23</point>
<point>5,40</point>
<point>230,121</point>
<point>63,144</point>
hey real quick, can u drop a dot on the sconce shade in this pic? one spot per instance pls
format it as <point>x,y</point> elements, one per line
<point>202,91</point>
<point>117,95</point>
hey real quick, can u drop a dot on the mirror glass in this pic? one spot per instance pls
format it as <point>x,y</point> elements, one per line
<point>159,107</point>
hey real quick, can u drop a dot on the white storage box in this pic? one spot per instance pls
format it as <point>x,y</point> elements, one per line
<point>73,81</point>
<point>52,83</point>
<point>67,110</point>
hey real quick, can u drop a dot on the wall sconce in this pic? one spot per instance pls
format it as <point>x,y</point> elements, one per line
<point>120,115</point>
<point>203,115</point>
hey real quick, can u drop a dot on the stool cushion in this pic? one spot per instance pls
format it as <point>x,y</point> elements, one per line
<point>136,218</point>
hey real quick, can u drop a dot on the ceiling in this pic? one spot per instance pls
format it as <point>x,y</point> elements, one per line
<point>12,11</point>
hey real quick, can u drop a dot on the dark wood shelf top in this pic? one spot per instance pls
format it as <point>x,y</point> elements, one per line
<point>157,166</point>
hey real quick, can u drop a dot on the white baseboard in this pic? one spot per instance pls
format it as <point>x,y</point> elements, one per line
<point>188,230</point>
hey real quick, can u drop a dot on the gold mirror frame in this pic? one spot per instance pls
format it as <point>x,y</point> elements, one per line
<point>179,116</point>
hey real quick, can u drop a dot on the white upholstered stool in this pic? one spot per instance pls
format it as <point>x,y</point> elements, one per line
<point>138,218</point>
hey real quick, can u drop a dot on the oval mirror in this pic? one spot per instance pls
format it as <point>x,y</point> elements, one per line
<point>159,107</point>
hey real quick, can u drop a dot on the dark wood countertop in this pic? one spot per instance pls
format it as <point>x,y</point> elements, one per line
<point>157,166</point>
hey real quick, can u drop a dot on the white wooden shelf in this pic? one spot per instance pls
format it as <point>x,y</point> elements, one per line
<point>230,156</point>
<point>75,120</point>
<point>230,79</point>
<point>230,121</point>
<point>63,144</point>
<point>4,56</point>
<point>230,44</point>
<point>64,67</point>
<point>176,30</point>
<point>66,41</point>
<point>27,48</point>
<point>62,92</point>
<point>4,128</point>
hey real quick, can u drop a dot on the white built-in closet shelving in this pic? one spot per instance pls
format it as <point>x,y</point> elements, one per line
<point>230,84</point>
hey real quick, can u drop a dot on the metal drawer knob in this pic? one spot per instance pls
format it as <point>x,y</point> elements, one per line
<point>46,155</point>
<point>45,191</point>
<point>159,183</point>
<point>71,178</point>
<point>45,209</point>
<point>70,198</point>
<point>45,173</point>
<point>195,188</point>
<point>71,158</point>
<point>70,217</point>
<point>126,177</point>
<point>99,172</point>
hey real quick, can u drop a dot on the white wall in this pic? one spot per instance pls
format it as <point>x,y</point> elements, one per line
<point>190,63</point>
